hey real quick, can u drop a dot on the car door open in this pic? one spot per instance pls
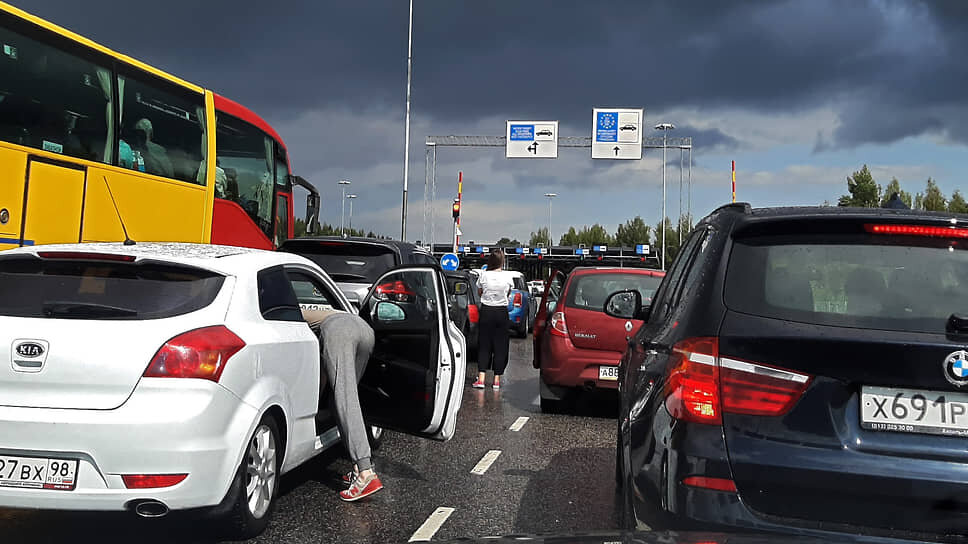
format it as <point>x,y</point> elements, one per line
<point>412,383</point>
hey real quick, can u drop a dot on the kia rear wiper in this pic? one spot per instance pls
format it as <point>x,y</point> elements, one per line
<point>82,310</point>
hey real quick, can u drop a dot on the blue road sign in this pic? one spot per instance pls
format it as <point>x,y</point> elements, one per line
<point>642,249</point>
<point>449,261</point>
<point>537,251</point>
<point>606,126</point>
<point>519,250</point>
<point>600,248</point>
<point>523,133</point>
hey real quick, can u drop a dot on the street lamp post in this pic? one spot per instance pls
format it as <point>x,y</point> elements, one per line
<point>406,145</point>
<point>342,215</point>
<point>351,198</point>
<point>664,127</point>
<point>550,197</point>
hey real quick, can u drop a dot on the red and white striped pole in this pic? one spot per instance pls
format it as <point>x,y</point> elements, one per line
<point>734,180</point>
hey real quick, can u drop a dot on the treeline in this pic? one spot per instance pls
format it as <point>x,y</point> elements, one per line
<point>864,192</point>
<point>628,234</point>
<point>325,229</point>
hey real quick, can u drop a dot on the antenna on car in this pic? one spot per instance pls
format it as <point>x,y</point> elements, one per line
<point>127,240</point>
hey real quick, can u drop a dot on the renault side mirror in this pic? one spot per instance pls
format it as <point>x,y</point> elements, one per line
<point>625,304</point>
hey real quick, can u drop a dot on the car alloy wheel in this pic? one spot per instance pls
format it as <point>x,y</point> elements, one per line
<point>261,473</point>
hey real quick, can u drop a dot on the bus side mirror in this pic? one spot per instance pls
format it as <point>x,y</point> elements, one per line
<point>312,204</point>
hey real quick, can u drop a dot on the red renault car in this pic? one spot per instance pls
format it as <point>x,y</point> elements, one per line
<point>577,346</point>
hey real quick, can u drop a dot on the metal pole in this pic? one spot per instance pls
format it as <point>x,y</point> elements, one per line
<point>679,224</point>
<point>406,145</point>
<point>662,222</point>
<point>351,215</point>
<point>426,200</point>
<point>342,213</point>
<point>689,192</point>
<point>550,239</point>
<point>433,196</point>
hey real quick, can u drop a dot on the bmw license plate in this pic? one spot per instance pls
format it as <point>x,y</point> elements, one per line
<point>38,473</point>
<point>914,411</point>
<point>608,373</point>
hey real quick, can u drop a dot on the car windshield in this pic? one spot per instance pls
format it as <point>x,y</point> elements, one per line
<point>79,289</point>
<point>589,291</point>
<point>865,282</point>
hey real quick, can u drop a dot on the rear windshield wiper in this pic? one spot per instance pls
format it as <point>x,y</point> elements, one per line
<point>346,277</point>
<point>81,310</point>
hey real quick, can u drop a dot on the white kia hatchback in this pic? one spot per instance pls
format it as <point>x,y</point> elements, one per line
<point>158,377</point>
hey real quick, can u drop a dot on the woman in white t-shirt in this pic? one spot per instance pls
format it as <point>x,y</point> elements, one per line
<point>495,288</point>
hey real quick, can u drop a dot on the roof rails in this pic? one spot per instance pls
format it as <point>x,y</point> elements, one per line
<point>742,207</point>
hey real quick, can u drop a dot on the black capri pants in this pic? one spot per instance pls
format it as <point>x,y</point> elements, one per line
<point>493,339</point>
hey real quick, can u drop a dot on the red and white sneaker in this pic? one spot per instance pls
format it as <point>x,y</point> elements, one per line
<point>349,476</point>
<point>361,488</point>
<point>478,384</point>
<point>496,385</point>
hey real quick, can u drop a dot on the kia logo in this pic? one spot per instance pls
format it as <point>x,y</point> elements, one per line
<point>30,349</point>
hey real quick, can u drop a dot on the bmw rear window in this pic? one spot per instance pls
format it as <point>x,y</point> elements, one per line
<point>346,262</point>
<point>80,289</point>
<point>851,280</point>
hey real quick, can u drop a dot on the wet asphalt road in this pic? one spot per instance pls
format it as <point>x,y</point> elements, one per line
<point>555,475</point>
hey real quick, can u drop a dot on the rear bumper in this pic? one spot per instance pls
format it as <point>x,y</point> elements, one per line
<point>194,427</point>
<point>565,365</point>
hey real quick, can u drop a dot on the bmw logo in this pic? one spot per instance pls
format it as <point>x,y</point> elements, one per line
<point>956,368</point>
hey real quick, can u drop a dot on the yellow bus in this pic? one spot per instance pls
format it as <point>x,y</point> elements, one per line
<point>93,142</point>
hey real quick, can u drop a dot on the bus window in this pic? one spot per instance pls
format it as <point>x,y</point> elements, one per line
<point>245,153</point>
<point>54,101</point>
<point>161,131</point>
<point>282,219</point>
<point>282,167</point>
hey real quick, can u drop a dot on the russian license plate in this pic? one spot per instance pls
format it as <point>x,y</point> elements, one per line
<point>914,411</point>
<point>38,473</point>
<point>608,373</point>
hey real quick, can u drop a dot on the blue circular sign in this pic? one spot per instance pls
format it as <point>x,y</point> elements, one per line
<point>449,261</point>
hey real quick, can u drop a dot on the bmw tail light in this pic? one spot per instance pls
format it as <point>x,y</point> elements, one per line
<point>718,484</point>
<point>692,388</point>
<point>517,299</point>
<point>759,390</point>
<point>201,353</point>
<point>397,291</point>
<point>558,326</point>
<point>473,314</point>
<point>702,385</point>
<point>918,230</point>
<point>149,481</point>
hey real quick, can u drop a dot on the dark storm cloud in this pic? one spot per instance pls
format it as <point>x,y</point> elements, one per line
<point>890,70</point>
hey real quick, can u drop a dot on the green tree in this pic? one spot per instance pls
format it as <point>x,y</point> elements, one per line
<point>957,203</point>
<point>299,228</point>
<point>934,199</point>
<point>895,187</point>
<point>505,241</point>
<point>569,238</point>
<point>632,232</point>
<point>863,191</point>
<point>918,202</point>
<point>540,237</point>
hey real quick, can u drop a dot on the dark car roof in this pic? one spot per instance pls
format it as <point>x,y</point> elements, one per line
<point>820,212</point>
<point>404,249</point>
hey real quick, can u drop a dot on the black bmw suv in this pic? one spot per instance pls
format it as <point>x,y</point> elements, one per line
<point>802,370</point>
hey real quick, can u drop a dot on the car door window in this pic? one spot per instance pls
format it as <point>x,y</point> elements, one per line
<point>554,292</point>
<point>693,270</point>
<point>664,298</point>
<point>311,293</point>
<point>277,301</point>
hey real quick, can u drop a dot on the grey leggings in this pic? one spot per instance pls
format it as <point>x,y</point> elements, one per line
<point>346,342</point>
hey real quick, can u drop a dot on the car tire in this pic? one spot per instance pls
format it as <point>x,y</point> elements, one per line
<point>522,331</point>
<point>551,406</point>
<point>249,513</point>
<point>375,435</point>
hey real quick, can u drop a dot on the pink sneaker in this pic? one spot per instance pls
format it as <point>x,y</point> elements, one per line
<point>496,385</point>
<point>478,384</point>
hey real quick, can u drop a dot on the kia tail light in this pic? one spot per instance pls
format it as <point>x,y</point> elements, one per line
<point>517,299</point>
<point>558,325</point>
<point>702,385</point>
<point>201,353</point>
<point>397,291</point>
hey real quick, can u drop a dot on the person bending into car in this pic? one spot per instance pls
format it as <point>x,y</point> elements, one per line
<point>345,345</point>
<point>495,287</point>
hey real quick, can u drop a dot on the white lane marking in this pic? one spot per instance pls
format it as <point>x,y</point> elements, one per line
<point>518,423</point>
<point>432,525</point>
<point>485,462</point>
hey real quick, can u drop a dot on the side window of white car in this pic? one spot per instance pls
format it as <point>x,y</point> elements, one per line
<point>312,294</point>
<point>277,301</point>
